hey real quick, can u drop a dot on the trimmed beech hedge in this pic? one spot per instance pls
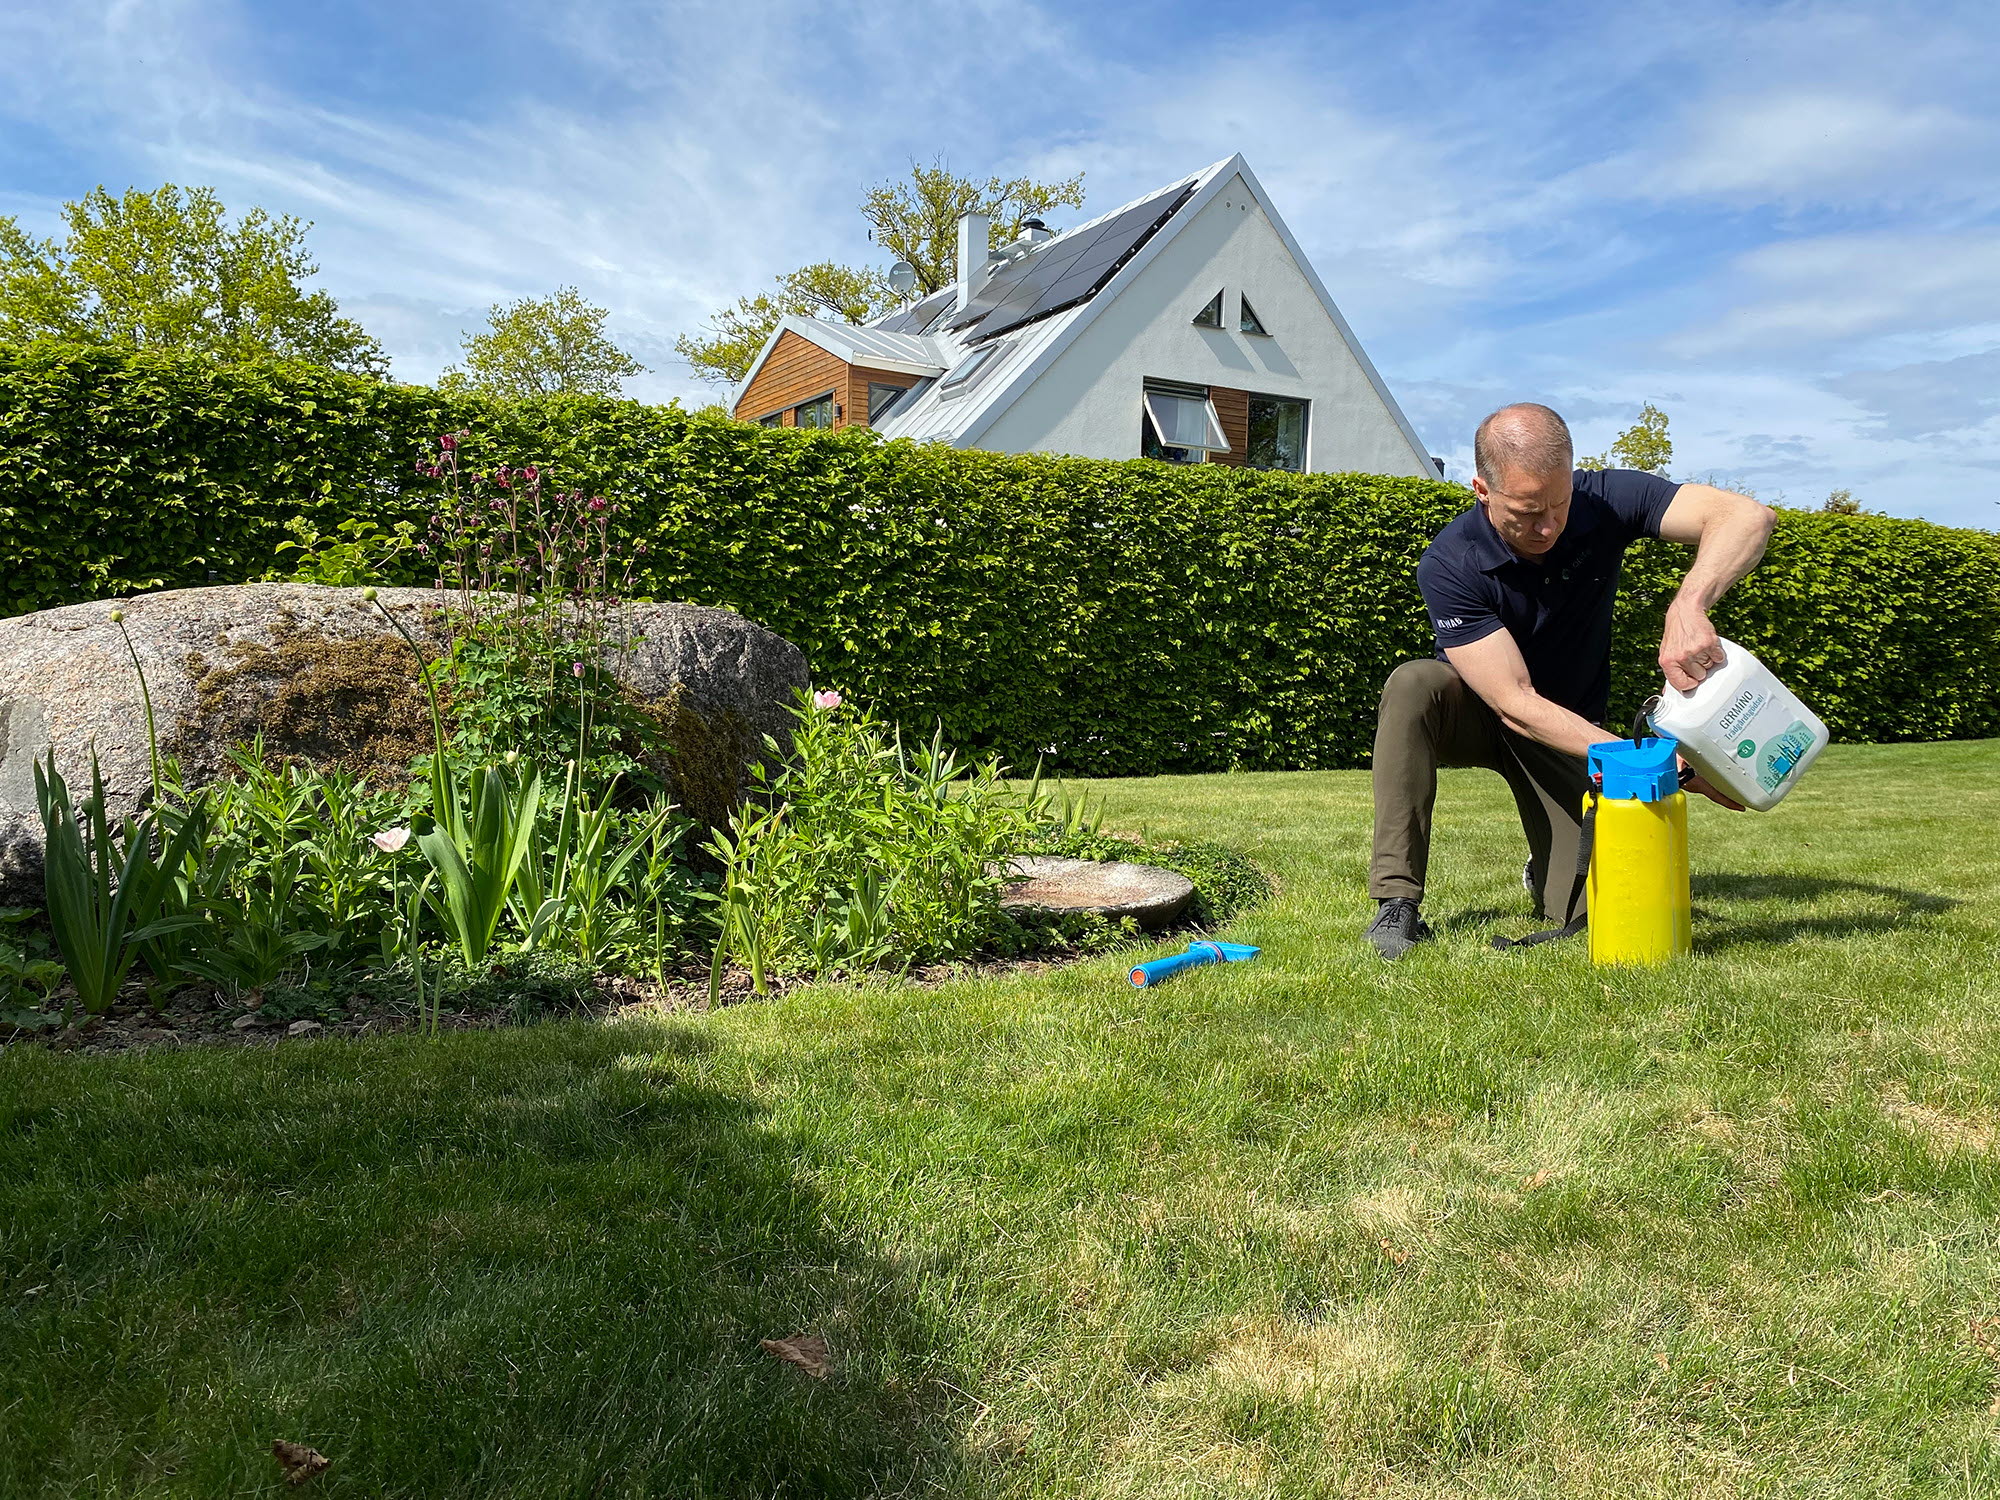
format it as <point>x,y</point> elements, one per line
<point>1116,618</point>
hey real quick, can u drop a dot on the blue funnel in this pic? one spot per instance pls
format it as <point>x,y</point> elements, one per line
<point>1644,770</point>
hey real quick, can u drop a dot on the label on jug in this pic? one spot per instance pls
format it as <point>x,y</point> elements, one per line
<point>1781,755</point>
<point>1742,709</point>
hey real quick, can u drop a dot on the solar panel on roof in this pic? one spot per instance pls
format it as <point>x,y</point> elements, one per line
<point>919,315</point>
<point>1034,270</point>
<point>1047,282</point>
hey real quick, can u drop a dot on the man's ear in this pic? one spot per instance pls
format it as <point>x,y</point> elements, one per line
<point>1479,489</point>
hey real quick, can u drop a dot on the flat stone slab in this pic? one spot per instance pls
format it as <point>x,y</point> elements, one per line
<point>1114,889</point>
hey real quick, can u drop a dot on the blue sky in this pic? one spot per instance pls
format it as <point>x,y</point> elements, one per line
<point>1778,222</point>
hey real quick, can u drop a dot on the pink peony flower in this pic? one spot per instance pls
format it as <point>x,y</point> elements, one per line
<point>389,840</point>
<point>826,700</point>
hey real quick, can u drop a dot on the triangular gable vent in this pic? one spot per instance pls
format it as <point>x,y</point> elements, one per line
<point>1211,315</point>
<point>1250,322</point>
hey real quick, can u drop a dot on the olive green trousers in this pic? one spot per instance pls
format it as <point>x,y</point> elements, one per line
<point>1430,719</point>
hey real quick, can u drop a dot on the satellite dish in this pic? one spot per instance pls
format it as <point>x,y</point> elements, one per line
<point>903,277</point>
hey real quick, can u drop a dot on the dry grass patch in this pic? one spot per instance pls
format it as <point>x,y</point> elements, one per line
<point>1941,1129</point>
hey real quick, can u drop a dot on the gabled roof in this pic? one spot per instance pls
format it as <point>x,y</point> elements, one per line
<point>1031,309</point>
<point>931,412</point>
<point>874,347</point>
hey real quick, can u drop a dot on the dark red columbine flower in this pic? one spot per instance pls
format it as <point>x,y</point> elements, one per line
<point>597,502</point>
<point>640,548</point>
<point>531,473</point>
<point>447,441</point>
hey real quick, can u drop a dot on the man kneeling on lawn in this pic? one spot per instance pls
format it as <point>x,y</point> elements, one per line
<point>1520,590</point>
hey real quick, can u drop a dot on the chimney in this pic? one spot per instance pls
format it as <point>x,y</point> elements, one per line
<point>973,234</point>
<point>1036,230</point>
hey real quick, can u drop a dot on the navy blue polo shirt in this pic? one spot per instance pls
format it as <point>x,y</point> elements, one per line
<point>1557,608</point>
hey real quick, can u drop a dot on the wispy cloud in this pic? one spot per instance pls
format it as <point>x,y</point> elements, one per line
<point>1776,221</point>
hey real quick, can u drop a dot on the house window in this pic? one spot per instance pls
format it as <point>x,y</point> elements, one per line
<point>1180,425</point>
<point>1211,315</point>
<point>1277,434</point>
<point>817,412</point>
<point>881,398</point>
<point>776,419</point>
<point>969,367</point>
<point>1250,322</point>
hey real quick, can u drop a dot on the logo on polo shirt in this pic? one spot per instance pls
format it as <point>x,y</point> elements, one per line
<point>1452,624</point>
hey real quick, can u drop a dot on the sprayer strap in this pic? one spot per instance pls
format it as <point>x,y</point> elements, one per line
<point>1585,837</point>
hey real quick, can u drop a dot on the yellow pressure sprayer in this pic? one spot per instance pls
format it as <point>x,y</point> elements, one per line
<point>1631,856</point>
<point>1635,826</point>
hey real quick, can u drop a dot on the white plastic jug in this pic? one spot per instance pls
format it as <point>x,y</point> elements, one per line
<point>1742,729</point>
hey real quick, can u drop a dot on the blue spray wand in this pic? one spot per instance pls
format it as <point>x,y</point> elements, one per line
<point>1197,954</point>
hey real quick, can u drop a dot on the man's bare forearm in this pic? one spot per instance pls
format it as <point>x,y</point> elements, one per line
<point>1728,550</point>
<point>1535,717</point>
<point>1728,532</point>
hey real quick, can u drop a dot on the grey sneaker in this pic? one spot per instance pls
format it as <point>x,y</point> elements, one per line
<point>1397,927</point>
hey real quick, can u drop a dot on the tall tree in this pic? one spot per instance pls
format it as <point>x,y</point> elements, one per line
<point>543,346</point>
<point>915,220</point>
<point>730,339</point>
<point>1643,445</point>
<point>163,270</point>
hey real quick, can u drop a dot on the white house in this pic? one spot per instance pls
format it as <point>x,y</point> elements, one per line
<point>1187,326</point>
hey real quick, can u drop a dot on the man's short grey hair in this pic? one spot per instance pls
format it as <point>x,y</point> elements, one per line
<point>1525,438</point>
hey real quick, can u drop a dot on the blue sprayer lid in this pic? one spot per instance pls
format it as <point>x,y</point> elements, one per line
<point>1644,770</point>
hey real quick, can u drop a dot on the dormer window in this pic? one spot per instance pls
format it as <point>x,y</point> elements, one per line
<point>1211,315</point>
<point>1250,322</point>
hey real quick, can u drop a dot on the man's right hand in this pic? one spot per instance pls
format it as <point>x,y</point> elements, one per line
<point>1699,783</point>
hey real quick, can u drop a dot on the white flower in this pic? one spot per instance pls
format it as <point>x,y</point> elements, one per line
<point>389,840</point>
<point>826,700</point>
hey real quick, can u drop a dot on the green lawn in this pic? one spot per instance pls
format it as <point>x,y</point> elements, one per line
<point>1475,1224</point>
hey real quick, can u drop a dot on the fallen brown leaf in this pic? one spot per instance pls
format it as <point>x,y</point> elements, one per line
<point>806,1350</point>
<point>1986,1336</point>
<point>1398,1256</point>
<point>1537,1180</point>
<point>298,1461</point>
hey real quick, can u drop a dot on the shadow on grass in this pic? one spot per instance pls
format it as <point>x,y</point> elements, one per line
<point>1863,909</point>
<point>1465,921</point>
<point>536,1262</point>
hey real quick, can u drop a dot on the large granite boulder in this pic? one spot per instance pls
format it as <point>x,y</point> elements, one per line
<point>319,673</point>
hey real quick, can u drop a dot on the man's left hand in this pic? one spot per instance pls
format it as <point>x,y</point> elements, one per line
<point>1699,783</point>
<point>1690,649</point>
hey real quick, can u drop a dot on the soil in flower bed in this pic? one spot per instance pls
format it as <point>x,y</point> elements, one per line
<point>201,1018</point>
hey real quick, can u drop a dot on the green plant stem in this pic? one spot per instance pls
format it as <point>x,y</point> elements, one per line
<point>145,697</point>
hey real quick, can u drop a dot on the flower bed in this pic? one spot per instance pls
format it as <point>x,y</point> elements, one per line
<point>532,861</point>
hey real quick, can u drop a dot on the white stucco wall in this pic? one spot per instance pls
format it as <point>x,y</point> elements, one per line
<point>1088,401</point>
